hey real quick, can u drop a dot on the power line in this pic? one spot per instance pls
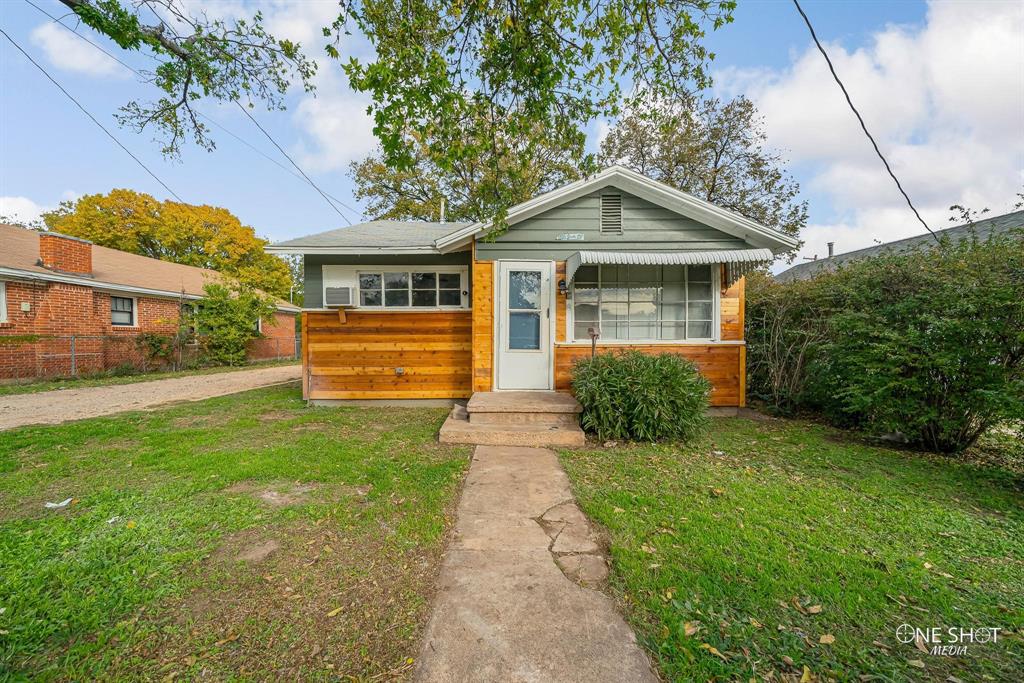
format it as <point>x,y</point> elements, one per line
<point>859,118</point>
<point>138,73</point>
<point>91,117</point>
<point>297,168</point>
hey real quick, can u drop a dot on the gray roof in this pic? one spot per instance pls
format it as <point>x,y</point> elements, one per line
<point>983,228</point>
<point>376,234</point>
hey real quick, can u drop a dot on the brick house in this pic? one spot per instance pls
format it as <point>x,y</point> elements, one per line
<point>53,287</point>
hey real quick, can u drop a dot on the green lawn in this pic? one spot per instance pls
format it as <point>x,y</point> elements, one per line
<point>769,547</point>
<point>241,537</point>
<point>102,379</point>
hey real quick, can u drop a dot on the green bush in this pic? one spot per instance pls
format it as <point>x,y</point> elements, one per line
<point>929,343</point>
<point>225,321</point>
<point>631,395</point>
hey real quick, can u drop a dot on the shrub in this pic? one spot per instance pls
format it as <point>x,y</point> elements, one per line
<point>929,343</point>
<point>631,395</point>
<point>225,321</point>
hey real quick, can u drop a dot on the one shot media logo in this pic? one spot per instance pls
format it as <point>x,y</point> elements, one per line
<point>952,641</point>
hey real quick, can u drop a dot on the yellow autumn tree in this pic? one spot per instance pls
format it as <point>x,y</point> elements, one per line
<point>203,236</point>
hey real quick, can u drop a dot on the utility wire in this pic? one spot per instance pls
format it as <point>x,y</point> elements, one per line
<point>91,117</point>
<point>859,118</point>
<point>138,73</point>
<point>297,168</point>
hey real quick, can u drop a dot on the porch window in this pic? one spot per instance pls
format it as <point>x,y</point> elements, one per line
<point>410,289</point>
<point>122,311</point>
<point>644,303</point>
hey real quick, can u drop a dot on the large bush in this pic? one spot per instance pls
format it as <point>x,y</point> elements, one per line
<point>631,395</point>
<point>929,344</point>
<point>226,318</point>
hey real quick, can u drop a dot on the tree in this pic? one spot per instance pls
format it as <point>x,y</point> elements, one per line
<point>197,57</point>
<point>470,187</point>
<point>202,236</point>
<point>714,150</point>
<point>454,75</point>
<point>226,320</point>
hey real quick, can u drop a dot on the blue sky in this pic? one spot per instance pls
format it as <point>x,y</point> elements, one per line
<point>941,84</point>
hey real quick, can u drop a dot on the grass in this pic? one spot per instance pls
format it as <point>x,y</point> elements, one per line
<point>240,537</point>
<point>103,379</point>
<point>767,547</point>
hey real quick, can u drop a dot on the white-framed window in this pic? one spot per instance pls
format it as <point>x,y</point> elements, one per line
<point>259,326</point>
<point>407,288</point>
<point>645,303</point>
<point>123,311</point>
<point>3,302</point>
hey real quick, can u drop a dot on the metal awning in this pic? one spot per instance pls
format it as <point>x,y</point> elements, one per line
<point>738,262</point>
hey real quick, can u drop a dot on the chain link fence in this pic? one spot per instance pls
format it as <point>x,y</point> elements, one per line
<point>31,357</point>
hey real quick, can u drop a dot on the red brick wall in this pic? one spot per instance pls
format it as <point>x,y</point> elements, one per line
<point>57,311</point>
<point>65,254</point>
<point>278,338</point>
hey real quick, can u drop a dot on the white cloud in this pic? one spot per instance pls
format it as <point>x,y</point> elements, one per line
<point>337,128</point>
<point>67,51</point>
<point>945,101</point>
<point>21,209</point>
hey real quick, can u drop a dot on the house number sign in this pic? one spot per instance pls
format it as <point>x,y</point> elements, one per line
<point>570,237</point>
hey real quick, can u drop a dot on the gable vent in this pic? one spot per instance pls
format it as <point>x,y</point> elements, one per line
<point>611,214</point>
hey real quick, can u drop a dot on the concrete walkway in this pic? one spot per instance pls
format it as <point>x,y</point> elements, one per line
<point>513,603</point>
<point>53,407</point>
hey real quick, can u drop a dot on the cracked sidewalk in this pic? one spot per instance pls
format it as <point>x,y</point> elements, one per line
<point>518,598</point>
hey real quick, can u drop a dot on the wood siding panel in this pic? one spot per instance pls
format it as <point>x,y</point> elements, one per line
<point>561,304</point>
<point>483,325</point>
<point>721,364</point>
<point>731,310</point>
<point>357,358</point>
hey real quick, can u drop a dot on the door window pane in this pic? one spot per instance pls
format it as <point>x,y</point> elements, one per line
<point>524,289</point>
<point>524,331</point>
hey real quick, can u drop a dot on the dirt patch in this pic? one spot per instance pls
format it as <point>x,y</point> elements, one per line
<point>276,416</point>
<point>196,421</point>
<point>297,494</point>
<point>323,604</point>
<point>251,546</point>
<point>311,427</point>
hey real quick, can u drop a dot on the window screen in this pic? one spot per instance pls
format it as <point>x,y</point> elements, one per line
<point>122,310</point>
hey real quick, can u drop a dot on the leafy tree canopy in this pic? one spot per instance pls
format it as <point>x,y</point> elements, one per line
<point>510,171</point>
<point>456,76</point>
<point>203,236</point>
<point>225,320</point>
<point>197,57</point>
<point>714,150</point>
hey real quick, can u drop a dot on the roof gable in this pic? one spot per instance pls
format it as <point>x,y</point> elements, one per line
<point>644,188</point>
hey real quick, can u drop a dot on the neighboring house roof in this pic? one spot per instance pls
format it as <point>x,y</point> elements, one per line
<point>388,236</point>
<point>396,237</point>
<point>983,229</point>
<point>111,269</point>
<point>651,190</point>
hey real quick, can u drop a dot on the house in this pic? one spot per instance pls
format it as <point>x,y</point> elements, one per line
<point>982,229</point>
<point>426,311</point>
<point>54,288</point>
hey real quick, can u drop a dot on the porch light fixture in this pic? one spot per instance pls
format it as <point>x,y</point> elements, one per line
<point>563,288</point>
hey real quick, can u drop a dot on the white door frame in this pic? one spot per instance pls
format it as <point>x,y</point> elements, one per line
<point>500,300</point>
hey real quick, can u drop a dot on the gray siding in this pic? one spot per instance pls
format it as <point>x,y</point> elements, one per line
<point>313,273</point>
<point>645,227</point>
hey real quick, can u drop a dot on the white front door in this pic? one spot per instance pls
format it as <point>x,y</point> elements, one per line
<point>523,324</point>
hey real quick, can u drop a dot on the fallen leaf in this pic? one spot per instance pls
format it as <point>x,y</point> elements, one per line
<point>617,510</point>
<point>714,651</point>
<point>130,524</point>
<point>814,609</point>
<point>689,628</point>
<point>717,492</point>
<point>916,663</point>
<point>827,639</point>
<point>787,660</point>
<point>797,605</point>
<point>807,677</point>
<point>919,643</point>
<point>334,612</point>
<point>230,639</point>
<point>650,549</point>
<point>755,623</point>
<point>928,565</point>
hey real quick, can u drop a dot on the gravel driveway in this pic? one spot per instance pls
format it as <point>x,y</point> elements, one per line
<point>53,407</point>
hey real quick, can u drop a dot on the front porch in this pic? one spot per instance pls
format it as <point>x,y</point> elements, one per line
<point>515,418</point>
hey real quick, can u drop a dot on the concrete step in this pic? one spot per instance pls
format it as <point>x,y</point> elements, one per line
<point>547,408</point>
<point>455,430</point>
